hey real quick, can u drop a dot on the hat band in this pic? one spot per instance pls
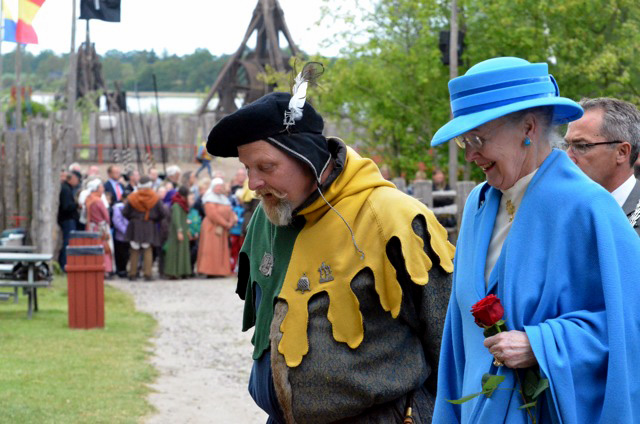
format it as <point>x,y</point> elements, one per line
<point>493,105</point>
<point>492,87</point>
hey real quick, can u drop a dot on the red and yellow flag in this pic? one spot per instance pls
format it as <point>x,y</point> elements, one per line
<point>27,10</point>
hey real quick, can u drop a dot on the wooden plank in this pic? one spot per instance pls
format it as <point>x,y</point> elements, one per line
<point>3,162</point>
<point>10,175</point>
<point>24,191</point>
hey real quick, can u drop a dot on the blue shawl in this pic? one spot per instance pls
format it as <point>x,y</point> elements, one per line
<point>568,275</point>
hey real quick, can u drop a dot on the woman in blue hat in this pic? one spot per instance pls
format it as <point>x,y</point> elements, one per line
<point>553,246</point>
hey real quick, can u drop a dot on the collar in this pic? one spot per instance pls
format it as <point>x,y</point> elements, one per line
<point>622,193</point>
<point>338,151</point>
<point>516,192</point>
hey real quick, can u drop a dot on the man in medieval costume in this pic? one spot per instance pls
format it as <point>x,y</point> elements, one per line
<point>345,278</point>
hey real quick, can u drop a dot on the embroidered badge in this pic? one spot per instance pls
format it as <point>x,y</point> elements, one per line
<point>325,273</point>
<point>303,284</point>
<point>266,265</point>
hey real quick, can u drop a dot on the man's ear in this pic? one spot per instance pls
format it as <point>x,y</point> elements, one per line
<point>623,152</point>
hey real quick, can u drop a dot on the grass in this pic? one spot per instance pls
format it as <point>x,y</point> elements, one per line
<point>50,373</point>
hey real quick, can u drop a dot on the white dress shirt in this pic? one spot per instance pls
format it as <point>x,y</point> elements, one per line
<point>503,225</point>
<point>621,194</point>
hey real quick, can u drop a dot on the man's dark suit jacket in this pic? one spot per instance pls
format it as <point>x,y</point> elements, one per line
<point>630,205</point>
<point>108,188</point>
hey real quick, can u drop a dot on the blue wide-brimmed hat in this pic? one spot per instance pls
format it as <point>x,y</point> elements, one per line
<point>499,86</point>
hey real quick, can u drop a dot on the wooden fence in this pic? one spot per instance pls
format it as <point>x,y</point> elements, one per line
<point>131,138</point>
<point>422,190</point>
<point>30,162</point>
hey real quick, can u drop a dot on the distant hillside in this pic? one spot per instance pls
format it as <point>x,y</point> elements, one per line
<point>189,73</point>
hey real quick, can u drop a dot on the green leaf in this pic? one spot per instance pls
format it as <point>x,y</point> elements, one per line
<point>464,399</point>
<point>490,383</point>
<point>528,405</point>
<point>530,383</point>
<point>543,384</point>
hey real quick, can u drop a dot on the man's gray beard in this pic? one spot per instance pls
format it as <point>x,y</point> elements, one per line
<point>281,214</point>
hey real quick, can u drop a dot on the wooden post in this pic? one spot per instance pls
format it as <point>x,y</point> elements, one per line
<point>72,89</point>
<point>21,183</point>
<point>463,189</point>
<point>9,174</point>
<point>400,184</point>
<point>453,72</point>
<point>423,191</point>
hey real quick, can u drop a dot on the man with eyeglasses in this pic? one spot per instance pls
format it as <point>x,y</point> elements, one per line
<point>604,143</point>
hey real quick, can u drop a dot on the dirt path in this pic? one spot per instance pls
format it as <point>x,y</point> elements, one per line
<point>202,356</point>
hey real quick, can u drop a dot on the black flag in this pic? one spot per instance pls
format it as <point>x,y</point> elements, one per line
<point>105,10</point>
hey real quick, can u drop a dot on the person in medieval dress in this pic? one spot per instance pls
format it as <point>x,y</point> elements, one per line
<point>98,221</point>
<point>345,278</point>
<point>214,256</point>
<point>178,258</point>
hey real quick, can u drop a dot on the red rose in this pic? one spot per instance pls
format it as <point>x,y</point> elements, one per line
<point>487,311</point>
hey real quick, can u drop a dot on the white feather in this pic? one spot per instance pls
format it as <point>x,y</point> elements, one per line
<point>296,104</point>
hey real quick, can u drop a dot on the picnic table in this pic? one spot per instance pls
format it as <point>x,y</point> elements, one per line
<point>18,249</point>
<point>30,285</point>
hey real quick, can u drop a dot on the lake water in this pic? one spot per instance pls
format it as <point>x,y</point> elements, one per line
<point>146,102</point>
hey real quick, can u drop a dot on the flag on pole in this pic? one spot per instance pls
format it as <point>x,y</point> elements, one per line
<point>9,25</point>
<point>105,10</point>
<point>27,10</point>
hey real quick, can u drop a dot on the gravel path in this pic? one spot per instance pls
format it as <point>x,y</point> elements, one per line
<point>203,357</point>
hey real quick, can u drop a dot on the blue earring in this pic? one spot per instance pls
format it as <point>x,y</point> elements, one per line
<point>527,141</point>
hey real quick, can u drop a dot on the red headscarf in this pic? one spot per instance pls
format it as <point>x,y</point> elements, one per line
<point>177,198</point>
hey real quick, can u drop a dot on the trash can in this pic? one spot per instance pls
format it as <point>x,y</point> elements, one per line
<point>84,238</point>
<point>85,286</point>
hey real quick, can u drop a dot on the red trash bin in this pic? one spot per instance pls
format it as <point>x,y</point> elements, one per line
<point>84,238</point>
<point>85,286</point>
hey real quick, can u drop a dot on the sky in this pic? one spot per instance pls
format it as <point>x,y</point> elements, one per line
<point>178,26</point>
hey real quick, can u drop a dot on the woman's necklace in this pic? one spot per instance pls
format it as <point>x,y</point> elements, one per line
<point>266,265</point>
<point>511,210</point>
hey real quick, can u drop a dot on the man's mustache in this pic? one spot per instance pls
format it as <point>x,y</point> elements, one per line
<point>262,192</point>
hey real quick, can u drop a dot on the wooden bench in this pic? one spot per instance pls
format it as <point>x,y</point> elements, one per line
<point>18,249</point>
<point>30,284</point>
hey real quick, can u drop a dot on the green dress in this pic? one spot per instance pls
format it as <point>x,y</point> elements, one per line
<point>177,258</point>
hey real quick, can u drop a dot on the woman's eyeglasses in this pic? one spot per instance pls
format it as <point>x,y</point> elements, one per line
<point>472,140</point>
<point>582,148</point>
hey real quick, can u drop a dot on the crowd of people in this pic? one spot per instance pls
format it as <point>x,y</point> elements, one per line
<point>186,226</point>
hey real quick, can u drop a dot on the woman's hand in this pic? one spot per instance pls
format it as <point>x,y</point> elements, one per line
<point>180,236</point>
<point>512,348</point>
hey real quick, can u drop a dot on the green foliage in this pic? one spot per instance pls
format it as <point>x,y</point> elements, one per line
<point>30,109</point>
<point>591,45</point>
<point>490,383</point>
<point>189,73</point>
<point>393,87</point>
<point>52,374</point>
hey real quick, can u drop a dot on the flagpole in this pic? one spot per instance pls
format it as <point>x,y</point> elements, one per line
<point>73,73</point>
<point>18,91</point>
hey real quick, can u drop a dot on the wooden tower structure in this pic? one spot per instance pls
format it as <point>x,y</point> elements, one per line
<point>240,73</point>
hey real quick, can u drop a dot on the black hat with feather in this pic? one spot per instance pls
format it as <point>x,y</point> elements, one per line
<point>285,120</point>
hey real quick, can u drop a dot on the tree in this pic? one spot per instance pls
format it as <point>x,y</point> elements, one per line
<point>393,88</point>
